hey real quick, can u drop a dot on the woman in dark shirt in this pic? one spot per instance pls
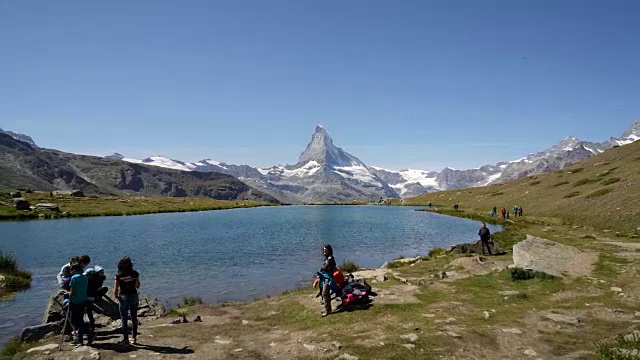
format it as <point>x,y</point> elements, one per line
<point>125,290</point>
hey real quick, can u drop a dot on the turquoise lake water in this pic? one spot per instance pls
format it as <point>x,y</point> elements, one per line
<point>237,254</point>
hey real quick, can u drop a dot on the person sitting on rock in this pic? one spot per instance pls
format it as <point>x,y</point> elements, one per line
<point>64,276</point>
<point>327,269</point>
<point>125,290</point>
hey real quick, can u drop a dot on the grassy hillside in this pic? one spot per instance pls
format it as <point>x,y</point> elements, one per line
<point>22,166</point>
<point>602,192</point>
<point>106,205</point>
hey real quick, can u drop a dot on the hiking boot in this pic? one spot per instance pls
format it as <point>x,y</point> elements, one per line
<point>124,342</point>
<point>325,313</point>
<point>91,337</point>
<point>135,340</point>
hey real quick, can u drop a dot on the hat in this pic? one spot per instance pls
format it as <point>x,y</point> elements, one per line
<point>98,268</point>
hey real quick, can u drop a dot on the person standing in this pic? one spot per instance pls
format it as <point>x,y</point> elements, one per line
<point>520,211</point>
<point>515,211</point>
<point>504,213</point>
<point>485,235</point>
<point>125,290</point>
<point>78,302</point>
<point>328,267</point>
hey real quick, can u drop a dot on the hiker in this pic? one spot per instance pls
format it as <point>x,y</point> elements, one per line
<point>328,267</point>
<point>515,211</point>
<point>455,207</point>
<point>125,290</point>
<point>520,211</point>
<point>504,213</point>
<point>78,302</point>
<point>429,205</point>
<point>495,210</point>
<point>485,235</point>
<point>64,276</point>
<point>84,260</point>
<point>95,290</point>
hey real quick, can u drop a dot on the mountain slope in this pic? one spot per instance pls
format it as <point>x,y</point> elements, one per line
<point>602,191</point>
<point>22,166</point>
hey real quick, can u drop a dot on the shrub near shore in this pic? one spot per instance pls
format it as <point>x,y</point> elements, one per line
<point>14,277</point>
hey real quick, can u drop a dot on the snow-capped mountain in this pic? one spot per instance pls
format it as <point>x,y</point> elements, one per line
<point>21,137</point>
<point>326,173</point>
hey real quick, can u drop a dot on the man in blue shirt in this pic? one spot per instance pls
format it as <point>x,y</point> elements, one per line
<point>79,298</point>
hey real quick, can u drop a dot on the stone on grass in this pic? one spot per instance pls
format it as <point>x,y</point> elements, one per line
<point>222,342</point>
<point>245,322</point>
<point>512,331</point>
<point>39,332</point>
<point>432,315</point>
<point>409,346</point>
<point>509,293</point>
<point>337,345</point>
<point>552,258</point>
<point>347,357</point>
<point>410,337</point>
<point>634,336</point>
<point>565,319</point>
<point>616,289</point>
<point>452,334</point>
<point>530,352</point>
<point>309,347</point>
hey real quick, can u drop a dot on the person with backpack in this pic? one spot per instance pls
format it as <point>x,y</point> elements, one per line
<point>95,290</point>
<point>485,235</point>
<point>327,269</point>
<point>125,290</point>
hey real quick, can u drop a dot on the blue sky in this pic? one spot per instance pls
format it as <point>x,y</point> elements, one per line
<point>419,84</point>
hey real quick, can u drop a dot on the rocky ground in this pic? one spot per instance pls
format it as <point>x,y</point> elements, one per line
<point>451,306</point>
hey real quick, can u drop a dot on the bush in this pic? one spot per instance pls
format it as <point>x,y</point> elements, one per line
<point>435,252</point>
<point>526,274</point>
<point>349,266</point>
<point>12,348</point>
<point>610,181</point>
<point>8,262</point>
<point>560,183</point>
<point>584,181</point>
<point>571,194</point>
<point>599,192</point>
<point>190,301</point>
<point>617,350</point>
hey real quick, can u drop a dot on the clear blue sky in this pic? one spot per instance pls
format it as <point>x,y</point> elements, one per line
<point>400,84</point>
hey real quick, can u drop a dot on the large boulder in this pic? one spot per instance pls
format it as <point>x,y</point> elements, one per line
<point>475,248</point>
<point>47,207</point>
<point>21,204</point>
<point>15,194</point>
<point>39,332</point>
<point>74,193</point>
<point>552,258</point>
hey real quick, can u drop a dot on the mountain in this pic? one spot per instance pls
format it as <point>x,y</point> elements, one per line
<point>327,173</point>
<point>24,166</point>
<point>568,151</point>
<point>600,192</point>
<point>21,137</point>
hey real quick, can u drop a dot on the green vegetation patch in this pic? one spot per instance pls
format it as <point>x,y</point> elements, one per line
<point>610,181</point>
<point>571,194</point>
<point>349,266</point>
<point>585,181</point>
<point>497,193</point>
<point>13,347</point>
<point>14,277</point>
<point>436,252</point>
<point>560,183</point>
<point>574,171</point>
<point>619,349</point>
<point>527,274</point>
<point>599,192</point>
<point>533,183</point>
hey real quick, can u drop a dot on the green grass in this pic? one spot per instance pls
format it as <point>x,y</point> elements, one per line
<point>585,181</point>
<point>571,194</point>
<point>599,192</point>
<point>527,274</point>
<point>104,205</point>
<point>190,301</point>
<point>13,347</point>
<point>610,181</point>
<point>436,252</point>
<point>560,183</point>
<point>14,277</point>
<point>533,183</point>
<point>349,266</point>
<point>610,350</point>
<point>575,170</point>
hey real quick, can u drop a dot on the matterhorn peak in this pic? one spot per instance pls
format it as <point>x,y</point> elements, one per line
<point>322,150</point>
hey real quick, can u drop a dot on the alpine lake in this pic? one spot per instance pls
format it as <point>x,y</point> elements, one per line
<point>224,255</point>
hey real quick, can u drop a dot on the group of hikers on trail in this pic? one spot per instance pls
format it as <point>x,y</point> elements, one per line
<point>517,212</point>
<point>82,285</point>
